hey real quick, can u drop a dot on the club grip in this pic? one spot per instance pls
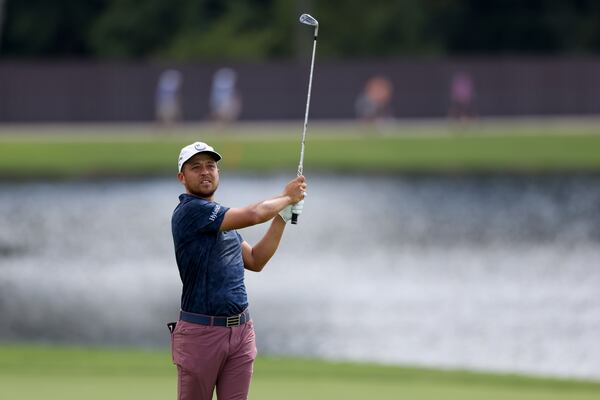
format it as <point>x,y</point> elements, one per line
<point>294,218</point>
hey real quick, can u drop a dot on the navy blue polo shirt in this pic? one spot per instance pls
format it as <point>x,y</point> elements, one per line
<point>210,262</point>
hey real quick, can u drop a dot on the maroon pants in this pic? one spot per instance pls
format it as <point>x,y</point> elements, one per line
<point>213,356</point>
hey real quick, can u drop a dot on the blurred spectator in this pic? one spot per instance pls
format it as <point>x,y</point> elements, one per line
<point>225,101</point>
<point>461,97</point>
<point>373,104</point>
<point>168,104</point>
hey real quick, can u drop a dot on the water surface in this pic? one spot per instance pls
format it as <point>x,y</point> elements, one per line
<point>498,273</point>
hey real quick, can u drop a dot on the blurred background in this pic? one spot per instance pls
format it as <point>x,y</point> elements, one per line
<point>92,61</point>
<point>453,159</point>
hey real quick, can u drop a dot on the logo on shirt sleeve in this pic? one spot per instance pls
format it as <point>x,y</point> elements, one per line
<point>214,213</point>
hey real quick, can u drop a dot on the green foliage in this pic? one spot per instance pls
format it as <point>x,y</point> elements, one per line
<point>196,30</point>
<point>40,28</point>
<point>354,28</point>
<point>268,29</point>
<point>513,26</point>
<point>241,32</point>
<point>131,28</point>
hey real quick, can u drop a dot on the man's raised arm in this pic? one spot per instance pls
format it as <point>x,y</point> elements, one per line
<point>254,214</point>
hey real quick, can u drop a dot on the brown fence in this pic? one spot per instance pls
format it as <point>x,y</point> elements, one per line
<point>87,91</point>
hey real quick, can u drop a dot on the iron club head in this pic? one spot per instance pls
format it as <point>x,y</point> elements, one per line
<point>307,19</point>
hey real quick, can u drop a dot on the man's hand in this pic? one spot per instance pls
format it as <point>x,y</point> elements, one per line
<point>287,212</point>
<point>295,189</point>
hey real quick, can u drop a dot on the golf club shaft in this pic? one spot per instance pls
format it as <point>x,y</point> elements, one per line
<point>310,78</point>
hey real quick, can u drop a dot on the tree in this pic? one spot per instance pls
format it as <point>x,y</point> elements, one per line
<point>268,29</point>
<point>39,28</point>
<point>353,28</point>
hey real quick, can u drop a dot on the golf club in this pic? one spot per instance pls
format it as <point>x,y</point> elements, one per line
<point>307,20</point>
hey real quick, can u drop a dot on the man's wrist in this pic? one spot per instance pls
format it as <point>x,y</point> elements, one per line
<point>286,213</point>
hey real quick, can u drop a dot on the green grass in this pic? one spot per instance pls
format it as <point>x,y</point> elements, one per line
<point>140,150</point>
<point>33,372</point>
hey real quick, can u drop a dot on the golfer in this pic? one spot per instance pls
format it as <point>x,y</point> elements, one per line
<point>213,343</point>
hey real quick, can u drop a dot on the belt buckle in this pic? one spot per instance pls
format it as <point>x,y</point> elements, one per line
<point>233,321</point>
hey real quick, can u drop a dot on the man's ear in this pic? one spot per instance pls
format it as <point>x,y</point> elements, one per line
<point>181,177</point>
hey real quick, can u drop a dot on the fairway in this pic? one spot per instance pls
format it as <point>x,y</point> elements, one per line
<point>33,372</point>
<point>427,147</point>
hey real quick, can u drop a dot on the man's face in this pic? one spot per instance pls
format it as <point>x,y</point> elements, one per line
<point>200,175</point>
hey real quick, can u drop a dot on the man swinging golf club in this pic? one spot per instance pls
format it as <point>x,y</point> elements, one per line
<point>213,343</point>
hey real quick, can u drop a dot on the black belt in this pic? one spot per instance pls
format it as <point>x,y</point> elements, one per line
<point>234,320</point>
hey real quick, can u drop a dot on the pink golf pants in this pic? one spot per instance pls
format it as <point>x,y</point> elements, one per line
<point>213,356</point>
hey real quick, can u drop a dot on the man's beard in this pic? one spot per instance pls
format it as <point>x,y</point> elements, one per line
<point>202,193</point>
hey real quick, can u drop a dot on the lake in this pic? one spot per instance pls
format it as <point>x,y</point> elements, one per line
<point>485,272</point>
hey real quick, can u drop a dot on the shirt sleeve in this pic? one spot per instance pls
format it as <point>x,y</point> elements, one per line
<point>204,216</point>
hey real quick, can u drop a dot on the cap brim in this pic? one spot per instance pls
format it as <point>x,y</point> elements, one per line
<point>215,155</point>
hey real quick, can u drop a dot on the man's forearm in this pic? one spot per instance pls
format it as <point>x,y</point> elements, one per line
<point>268,209</point>
<point>238,218</point>
<point>266,247</point>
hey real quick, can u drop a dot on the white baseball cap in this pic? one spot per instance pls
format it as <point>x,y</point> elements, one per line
<point>192,149</point>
